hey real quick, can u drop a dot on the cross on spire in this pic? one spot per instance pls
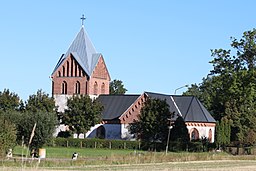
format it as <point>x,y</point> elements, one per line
<point>83,18</point>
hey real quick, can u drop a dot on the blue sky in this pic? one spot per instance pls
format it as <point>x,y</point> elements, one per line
<point>150,45</point>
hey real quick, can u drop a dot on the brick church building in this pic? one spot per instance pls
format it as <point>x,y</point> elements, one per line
<point>82,70</point>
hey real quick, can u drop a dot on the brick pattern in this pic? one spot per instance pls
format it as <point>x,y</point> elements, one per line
<point>71,72</point>
<point>99,82</point>
<point>133,111</point>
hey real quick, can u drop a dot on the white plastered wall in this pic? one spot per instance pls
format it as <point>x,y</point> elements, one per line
<point>203,131</point>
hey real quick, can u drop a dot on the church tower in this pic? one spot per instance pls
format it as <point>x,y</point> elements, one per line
<point>81,70</point>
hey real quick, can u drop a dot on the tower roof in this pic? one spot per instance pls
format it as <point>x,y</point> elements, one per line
<point>83,51</point>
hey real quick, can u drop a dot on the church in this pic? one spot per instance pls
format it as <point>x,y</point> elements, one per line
<point>82,70</point>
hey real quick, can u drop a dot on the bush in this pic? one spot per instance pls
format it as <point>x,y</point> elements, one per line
<point>7,135</point>
<point>95,143</point>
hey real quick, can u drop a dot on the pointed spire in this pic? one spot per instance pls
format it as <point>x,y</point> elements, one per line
<point>82,19</point>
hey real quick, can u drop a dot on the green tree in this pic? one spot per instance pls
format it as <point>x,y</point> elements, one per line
<point>82,113</point>
<point>9,100</point>
<point>223,132</point>
<point>117,87</point>
<point>230,89</point>
<point>40,102</point>
<point>45,127</point>
<point>179,132</point>
<point>7,135</point>
<point>153,122</point>
<point>39,110</point>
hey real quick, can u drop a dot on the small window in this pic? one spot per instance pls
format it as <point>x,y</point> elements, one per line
<point>64,87</point>
<point>194,134</point>
<point>103,88</point>
<point>63,71</point>
<point>77,88</point>
<point>95,87</point>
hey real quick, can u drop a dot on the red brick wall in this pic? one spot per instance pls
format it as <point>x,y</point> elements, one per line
<point>100,76</point>
<point>133,112</point>
<point>71,72</point>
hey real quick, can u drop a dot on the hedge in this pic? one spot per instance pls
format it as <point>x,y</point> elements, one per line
<point>94,143</point>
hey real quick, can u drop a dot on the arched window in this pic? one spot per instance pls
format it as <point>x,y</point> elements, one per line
<point>72,63</point>
<point>194,135</point>
<point>63,71</point>
<point>67,68</point>
<point>64,87</point>
<point>95,88</point>
<point>59,74</point>
<point>210,135</point>
<point>102,88</point>
<point>77,88</point>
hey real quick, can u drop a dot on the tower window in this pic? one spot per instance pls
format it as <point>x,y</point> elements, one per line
<point>102,88</point>
<point>95,88</point>
<point>67,68</point>
<point>64,87</point>
<point>77,88</point>
<point>63,71</point>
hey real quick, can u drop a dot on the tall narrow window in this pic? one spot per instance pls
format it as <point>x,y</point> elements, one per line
<point>95,88</point>
<point>59,74</point>
<point>102,88</point>
<point>75,69</point>
<point>77,88</point>
<point>210,135</point>
<point>86,87</point>
<point>67,68</point>
<point>64,87</point>
<point>63,71</point>
<point>72,63</point>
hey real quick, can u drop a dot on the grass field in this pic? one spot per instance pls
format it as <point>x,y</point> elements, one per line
<point>105,159</point>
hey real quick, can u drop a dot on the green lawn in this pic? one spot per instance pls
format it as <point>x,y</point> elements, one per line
<point>66,152</point>
<point>59,158</point>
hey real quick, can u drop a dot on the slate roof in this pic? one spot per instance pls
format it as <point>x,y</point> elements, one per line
<point>83,51</point>
<point>189,107</point>
<point>116,105</point>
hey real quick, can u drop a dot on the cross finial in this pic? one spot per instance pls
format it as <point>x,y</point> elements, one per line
<point>83,18</point>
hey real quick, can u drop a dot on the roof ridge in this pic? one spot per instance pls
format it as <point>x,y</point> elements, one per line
<point>189,107</point>
<point>201,109</point>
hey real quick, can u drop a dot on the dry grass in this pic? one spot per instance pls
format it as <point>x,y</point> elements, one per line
<point>220,165</point>
<point>96,159</point>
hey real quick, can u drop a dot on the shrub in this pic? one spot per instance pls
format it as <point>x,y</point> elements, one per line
<point>95,143</point>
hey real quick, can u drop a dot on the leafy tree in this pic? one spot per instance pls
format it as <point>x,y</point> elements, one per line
<point>7,135</point>
<point>229,90</point>
<point>179,132</point>
<point>45,127</point>
<point>117,87</point>
<point>9,100</point>
<point>223,132</point>
<point>40,102</point>
<point>82,113</point>
<point>39,109</point>
<point>152,124</point>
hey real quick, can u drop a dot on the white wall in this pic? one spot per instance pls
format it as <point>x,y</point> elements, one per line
<point>203,131</point>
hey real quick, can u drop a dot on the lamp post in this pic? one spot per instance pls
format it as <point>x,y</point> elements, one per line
<point>168,138</point>
<point>180,88</point>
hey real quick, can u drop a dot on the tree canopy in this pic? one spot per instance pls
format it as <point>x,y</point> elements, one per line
<point>40,102</point>
<point>230,88</point>
<point>7,134</point>
<point>117,87</point>
<point>82,113</point>
<point>153,122</point>
<point>9,100</point>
